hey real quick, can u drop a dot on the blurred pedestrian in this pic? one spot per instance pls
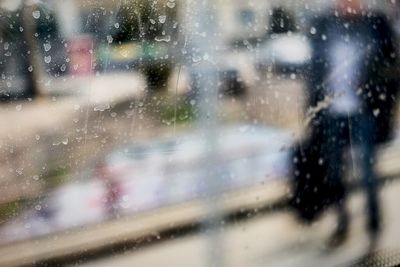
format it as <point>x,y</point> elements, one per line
<point>113,188</point>
<point>351,95</point>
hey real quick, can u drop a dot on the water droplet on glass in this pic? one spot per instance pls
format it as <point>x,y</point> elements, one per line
<point>313,30</point>
<point>152,21</point>
<point>19,171</point>
<point>30,68</point>
<point>196,59</point>
<point>376,112</point>
<point>36,14</point>
<point>170,5</point>
<point>109,39</point>
<point>47,47</point>
<point>18,107</point>
<point>38,207</point>
<point>35,177</point>
<point>162,18</point>
<point>65,141</point>
<point>116,25</point>
<point>166,38</point>
<point>37,137</point>
<point>102,107</point>
<point>47,59</point>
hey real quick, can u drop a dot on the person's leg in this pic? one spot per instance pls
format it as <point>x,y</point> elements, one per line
<point>336,134</point>
<point>367,159</point>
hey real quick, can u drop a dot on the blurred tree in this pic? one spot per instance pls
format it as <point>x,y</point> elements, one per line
<point>154,25</point>
<point>281,21</point>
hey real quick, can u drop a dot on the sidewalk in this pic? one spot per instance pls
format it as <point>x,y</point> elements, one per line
<point>274,240</point>
<point>276,232</point>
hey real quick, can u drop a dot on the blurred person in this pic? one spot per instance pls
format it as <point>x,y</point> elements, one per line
<point>351,92</point>
<point>113,188</point>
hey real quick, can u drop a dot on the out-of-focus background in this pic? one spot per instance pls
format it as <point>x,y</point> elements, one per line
<point>114,141</point>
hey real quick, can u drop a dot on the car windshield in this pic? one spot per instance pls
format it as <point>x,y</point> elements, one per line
<point>199,133</point>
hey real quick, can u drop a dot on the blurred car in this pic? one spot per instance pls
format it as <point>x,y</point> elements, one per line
<point>285,52</point>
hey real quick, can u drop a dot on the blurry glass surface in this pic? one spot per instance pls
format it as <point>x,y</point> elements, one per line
<point>129,122</point>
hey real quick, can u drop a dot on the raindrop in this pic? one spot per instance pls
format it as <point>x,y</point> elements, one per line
<point>47,47</point>
<point>116,25</point>
<point>313,30</point>
<point>109,39</point>
<point>36,14</point>
<point>18,107</point>
<point>102,107</point>
<point>47,59</point>
<point>37,137</point>
<point>30,68</point>
<point>152,21</point>
<point>65,141</point>
<point>38,207</point>
<point>35,177</point>
<point>170,4</point>
<point>196,59</point>
<point>162,18</point>
<point>63,67</point>
<point>166,38</point>
<point>19,171</point>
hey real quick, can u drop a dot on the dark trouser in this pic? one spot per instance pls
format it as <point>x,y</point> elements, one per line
<point>341,133</point>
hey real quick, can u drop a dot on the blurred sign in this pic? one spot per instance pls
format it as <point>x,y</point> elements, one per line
<point>124,52</point>
<point>81,55</point>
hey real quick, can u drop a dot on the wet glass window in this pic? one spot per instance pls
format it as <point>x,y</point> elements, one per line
<point>199,133</point>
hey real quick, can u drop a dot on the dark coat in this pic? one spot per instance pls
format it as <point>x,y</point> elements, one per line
<point>378,85</point>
